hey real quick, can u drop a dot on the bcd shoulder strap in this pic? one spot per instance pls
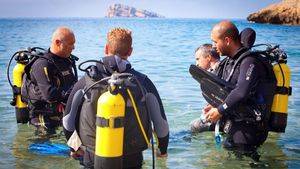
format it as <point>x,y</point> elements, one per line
<point>237,62</point>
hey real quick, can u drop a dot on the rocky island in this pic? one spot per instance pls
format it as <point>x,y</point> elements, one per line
<point>119,10</point>
<point>285,12</point>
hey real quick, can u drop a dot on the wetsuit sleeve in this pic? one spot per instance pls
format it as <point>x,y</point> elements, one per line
<point>69,115</point>
<point>247,81</point>
<point>42,72</point>
<point>158,117</point>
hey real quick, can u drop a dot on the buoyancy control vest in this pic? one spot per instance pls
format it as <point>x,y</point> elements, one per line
<point>30,90</point>
<point>134,141</point>
<point>269,102</point>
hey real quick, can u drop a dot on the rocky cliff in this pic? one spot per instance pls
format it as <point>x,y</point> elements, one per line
<point>286,12</point>
<point>119,10</point>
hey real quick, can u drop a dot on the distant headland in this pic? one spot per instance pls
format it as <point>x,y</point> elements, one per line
<point>119,10</point>
<point>286,12</point>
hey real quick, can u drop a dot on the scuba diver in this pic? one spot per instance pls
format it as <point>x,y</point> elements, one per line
<point>208,58</point>
<point>48,81</point>
<point>113,87</point>
<point>254,85</point>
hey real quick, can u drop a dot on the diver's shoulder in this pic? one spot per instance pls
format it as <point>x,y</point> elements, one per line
<point>251,58</point>
<point>138,73</point>
<point>81,83</point>
<point>44,60</point>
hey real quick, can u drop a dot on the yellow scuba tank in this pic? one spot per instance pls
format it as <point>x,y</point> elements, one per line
<point>110,117</point>
<point>279,108</point>
<point>109,131</point>
<point>22,112</point>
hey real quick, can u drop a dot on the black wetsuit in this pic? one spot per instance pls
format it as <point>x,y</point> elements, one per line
<point>52,78</point>
<point>87,125</point>
<point>244,135</point>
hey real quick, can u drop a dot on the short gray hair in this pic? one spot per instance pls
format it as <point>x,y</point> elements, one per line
<point>206,49</point>
<point>61,33</point>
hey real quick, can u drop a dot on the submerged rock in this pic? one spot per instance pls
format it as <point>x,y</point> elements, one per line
<point>119,10</point>
<point>286,12</point>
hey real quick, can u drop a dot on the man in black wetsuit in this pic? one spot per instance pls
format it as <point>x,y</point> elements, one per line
<point>81,117</point>
<point>247,38</point>
<point>50,81</point>
<point>244,128</point>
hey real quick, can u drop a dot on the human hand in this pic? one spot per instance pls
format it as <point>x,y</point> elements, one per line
<point>162,155</point>
<point>213,115</point>
<point>77,154</point>
<point>60,107</point>
<point>158,154</point>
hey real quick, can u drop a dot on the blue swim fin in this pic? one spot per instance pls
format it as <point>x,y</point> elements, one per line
<point>50,149</point>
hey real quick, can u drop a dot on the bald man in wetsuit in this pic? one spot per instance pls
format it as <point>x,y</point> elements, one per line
<point>51,80</point>
<point>245,131</point>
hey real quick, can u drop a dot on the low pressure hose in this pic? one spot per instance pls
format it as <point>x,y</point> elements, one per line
<point>138,117</point>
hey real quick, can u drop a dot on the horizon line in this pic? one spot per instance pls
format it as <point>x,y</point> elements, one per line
<point>75,17</point>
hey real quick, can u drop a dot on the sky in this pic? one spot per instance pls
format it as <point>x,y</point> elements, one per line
<point>98,8</point>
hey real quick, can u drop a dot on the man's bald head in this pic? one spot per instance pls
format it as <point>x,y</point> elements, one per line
<point>61,33</point>
<point>225,37</point>
<point>62,43</point>
<point>226,29</point>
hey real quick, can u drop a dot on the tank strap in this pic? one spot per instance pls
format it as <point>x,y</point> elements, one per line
<point>283,90</point>
<point>16,90</point>
<point>113,122</point>
<point>220,69</point>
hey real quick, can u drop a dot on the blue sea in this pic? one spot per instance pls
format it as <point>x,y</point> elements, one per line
<point>163,49</point>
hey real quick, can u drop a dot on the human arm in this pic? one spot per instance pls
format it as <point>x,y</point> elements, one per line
<point>158,117</point>
<point>72,107</point>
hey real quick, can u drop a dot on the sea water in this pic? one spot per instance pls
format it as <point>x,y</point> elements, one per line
<point>163,49</point>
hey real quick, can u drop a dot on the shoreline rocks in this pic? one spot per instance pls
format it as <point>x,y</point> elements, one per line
<point>286,12</point>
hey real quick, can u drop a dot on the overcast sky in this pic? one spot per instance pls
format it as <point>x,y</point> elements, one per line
<point>98,8</point>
